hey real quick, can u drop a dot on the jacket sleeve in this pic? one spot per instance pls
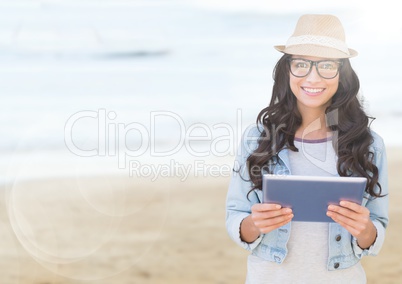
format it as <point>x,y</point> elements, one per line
<point>238,206</point>
<point>378,206</point>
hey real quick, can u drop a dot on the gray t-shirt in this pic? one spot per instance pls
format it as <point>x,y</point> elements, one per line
<point>308,243</point>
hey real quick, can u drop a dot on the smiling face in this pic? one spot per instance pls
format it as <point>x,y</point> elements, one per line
<point>312,91</point>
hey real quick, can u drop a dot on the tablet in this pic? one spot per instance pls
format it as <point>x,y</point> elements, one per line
<point>309,196</point>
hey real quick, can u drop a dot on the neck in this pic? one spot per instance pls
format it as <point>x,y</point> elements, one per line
<point>313,125</point>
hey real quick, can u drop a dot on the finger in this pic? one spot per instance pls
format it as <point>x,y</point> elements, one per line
<point>338,210</point>
<point>352,225</point>
<point>265,215</point>
<point>361,213</point>
<point>265,207</point>
<point>353,206</point>
<point>352,230</point>
<point>338,217</point>
<point>275,219</point>
<point>275,226</point>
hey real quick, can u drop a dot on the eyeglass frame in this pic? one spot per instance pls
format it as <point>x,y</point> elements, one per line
<point>312,63</point>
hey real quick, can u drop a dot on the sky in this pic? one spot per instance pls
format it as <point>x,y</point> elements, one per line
<point>380,18</point>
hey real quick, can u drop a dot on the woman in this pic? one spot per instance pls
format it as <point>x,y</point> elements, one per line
<point>314,125</point>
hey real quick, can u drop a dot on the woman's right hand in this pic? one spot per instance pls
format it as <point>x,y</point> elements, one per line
<point>268,217</point>
<point>263,219</point>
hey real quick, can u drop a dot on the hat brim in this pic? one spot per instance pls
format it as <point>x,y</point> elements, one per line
<point>315,50</point>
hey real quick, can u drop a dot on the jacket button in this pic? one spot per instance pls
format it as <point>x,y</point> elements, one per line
<point>336,265</point>
<point>338,238</point>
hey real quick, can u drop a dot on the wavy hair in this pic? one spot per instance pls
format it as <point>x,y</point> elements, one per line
<point>345,117</point>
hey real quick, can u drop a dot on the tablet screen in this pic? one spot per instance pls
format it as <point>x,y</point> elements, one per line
<point>309,196</point>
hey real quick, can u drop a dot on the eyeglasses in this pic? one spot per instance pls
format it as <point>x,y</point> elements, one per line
<point>327,69</point>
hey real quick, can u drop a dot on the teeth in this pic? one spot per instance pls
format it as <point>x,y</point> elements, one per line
<point>313,90</point>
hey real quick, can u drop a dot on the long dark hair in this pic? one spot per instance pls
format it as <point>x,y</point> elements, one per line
<point>345,117</point>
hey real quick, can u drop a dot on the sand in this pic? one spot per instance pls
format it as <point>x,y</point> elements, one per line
<point>124,230</point>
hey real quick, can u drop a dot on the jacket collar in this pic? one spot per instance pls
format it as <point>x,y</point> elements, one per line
<point>284,156</point>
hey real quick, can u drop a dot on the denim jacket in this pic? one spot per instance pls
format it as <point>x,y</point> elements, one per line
<point>343,249</point>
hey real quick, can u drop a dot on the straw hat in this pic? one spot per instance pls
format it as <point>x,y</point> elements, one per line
<point>320,36</point>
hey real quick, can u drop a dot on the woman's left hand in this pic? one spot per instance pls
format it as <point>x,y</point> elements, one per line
<point>356,219</point>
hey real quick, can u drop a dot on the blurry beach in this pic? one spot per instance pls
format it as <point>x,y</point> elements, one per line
<point>120,121</point>
<point>115,230</point>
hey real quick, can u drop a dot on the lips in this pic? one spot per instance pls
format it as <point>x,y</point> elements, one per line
<point>313,91</point>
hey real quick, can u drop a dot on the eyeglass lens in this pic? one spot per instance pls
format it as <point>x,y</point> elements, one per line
<point>326,69</point>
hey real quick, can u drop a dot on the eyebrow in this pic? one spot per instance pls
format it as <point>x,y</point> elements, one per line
<point>322,59</point>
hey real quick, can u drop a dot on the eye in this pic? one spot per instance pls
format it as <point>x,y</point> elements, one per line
<point>328,65</point>
<point>300,64</point>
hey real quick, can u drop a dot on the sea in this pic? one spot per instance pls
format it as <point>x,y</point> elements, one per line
<point>117,87</point>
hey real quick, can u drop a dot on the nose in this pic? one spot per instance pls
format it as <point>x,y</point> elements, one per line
<point>313,76</point>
